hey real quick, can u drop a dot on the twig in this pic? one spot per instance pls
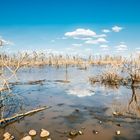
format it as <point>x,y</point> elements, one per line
<point>5,121</point>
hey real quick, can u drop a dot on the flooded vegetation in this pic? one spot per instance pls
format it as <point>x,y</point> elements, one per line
<point>69,70</point>
<point>69,97</point>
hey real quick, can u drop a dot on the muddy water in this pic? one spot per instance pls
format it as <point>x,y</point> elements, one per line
<point>75,104</point>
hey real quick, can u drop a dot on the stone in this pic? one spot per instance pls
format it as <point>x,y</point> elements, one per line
<point>118,132</point>
<point>27,138</point>
<point>32,132</point>
<point>44,133</point>
<point>7,135</point>
<point>73,133</point>
<point>11,138</point>
<point>115,113</point>
<point>48,138</point>
<point>100,122</point>
<point>80,132</point>
<point>95,132</point>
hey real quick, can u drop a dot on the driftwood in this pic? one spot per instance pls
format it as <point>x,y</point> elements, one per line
<point>6,121</point>
<point>36,82</point>
<point>28,83</point>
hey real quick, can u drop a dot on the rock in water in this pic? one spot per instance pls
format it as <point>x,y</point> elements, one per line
<point>8,136</point>
<point>32,132</point>
<point>118,132</point>
<point>115,113</point>
<point>95,131</point>
<point>27,138</point>
<point>73,133</point>
<point>80,132</point>
<point>100,122</point>
<point>44,133</point>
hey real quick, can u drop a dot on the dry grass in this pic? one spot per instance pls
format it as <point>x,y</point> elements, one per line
<point>127,73</point>
<point>110,76</point>
<point>42,58</point>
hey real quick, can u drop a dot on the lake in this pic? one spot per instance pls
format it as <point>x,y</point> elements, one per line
<point>75,103</point>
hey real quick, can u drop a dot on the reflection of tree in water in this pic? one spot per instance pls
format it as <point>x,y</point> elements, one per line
<point>66,73</point>
<point>10,104</point>
<point>134,103</point>
<point>128,106</point>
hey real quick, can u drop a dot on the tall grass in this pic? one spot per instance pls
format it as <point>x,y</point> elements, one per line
<point>43,58</point>
<point>126,73</point>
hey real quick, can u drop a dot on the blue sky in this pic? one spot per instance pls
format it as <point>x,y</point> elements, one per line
<point>71,26</point>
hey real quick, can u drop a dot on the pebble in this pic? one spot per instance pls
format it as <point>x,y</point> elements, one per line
<point>100,122</point>
<point>11,138</point>
<point>95,132</point>
<point>44,133</point>
<point>48,138</point>
<point>118,132</point>
<point>32,132</point>
<point>73,133</point>
<point>27,138</point>
<point>69,139</point>
<point>7,135</point>
<point>115,113</point>
<point>80,132</point>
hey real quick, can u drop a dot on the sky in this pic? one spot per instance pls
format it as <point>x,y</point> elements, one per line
<point>71,26</point>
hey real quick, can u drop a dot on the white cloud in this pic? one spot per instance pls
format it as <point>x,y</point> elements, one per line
<point>83,34</point>
<point>5,42</point>
<point>102,40</point>
<point>97,41</point>
<point>116,29</point>
<point>102,35</point>
<point>77,45</point>
<point>80,32</point>
<point>106,31</point>
<point>137,50</point>
<point>121,48</point>
<point>104,46</point>
<point>83,38</point>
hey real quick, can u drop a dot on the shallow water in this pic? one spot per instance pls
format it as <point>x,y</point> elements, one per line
<point>75,104</point>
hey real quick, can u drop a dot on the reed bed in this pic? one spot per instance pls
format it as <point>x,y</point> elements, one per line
<point>119,70</point>
<point>110,76</point>
<point>42,58</point>
<point>127,73</point>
